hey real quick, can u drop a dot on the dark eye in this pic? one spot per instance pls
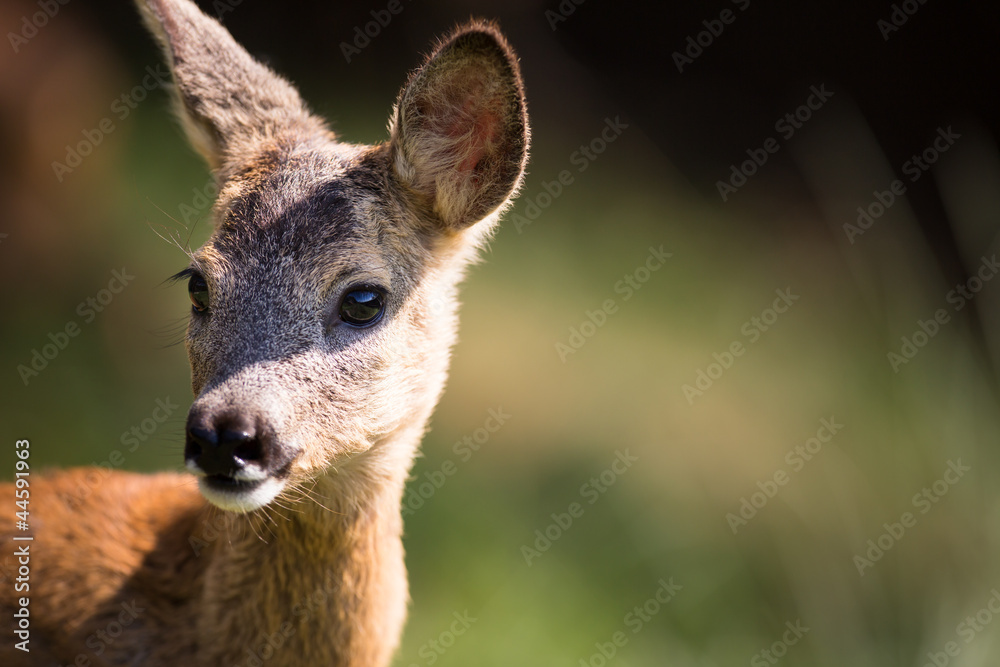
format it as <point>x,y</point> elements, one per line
<point>362,307</point>
<point>198,291</point>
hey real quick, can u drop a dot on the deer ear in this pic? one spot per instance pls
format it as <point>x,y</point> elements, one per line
<point>227,100</point>
<point>459,132</point>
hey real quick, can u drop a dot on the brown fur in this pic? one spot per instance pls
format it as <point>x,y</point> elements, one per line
<point>335,412</point>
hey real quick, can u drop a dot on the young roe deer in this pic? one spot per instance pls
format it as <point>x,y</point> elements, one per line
<point>322,320</point>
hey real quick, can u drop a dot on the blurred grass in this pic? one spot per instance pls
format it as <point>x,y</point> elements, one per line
<point>665,517</point>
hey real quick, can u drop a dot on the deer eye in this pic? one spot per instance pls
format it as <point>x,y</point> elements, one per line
<point>362,307</point>
<point>198,291</point>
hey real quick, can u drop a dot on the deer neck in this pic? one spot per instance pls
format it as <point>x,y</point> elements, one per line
<point>317,578</point>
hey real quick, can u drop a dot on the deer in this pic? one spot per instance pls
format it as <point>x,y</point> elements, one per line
<point>323,314</point>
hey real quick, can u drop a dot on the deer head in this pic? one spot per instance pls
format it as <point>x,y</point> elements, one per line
<point>323,305</point>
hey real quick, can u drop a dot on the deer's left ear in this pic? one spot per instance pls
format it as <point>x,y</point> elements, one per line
<point>459,132</point>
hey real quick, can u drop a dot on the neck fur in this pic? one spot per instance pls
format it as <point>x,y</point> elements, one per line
<point>318,577</point>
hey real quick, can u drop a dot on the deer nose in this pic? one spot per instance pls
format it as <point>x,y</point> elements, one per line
<point>222,444</point>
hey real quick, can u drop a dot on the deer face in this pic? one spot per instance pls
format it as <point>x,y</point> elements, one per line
<point>323,304</point>
<point>321,322</point>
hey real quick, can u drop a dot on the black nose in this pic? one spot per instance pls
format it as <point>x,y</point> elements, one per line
<point>223,444</point>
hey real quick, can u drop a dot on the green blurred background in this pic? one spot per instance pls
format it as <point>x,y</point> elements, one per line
<point>665,517</point>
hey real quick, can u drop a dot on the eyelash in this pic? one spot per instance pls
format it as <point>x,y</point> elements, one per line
<point>180,275</point>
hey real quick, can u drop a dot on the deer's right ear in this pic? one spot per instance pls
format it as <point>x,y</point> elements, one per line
<point>227,100</point>
<point>459,132</point>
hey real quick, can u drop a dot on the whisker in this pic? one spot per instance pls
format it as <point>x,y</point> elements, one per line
<point>311,494</point>
<point>286,507</point>
<point>250,522</point>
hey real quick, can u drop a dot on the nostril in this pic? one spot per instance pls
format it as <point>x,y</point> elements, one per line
<point>248,451</point>
<point>203,436</point>
<point>222,445</point>
<point>198,440</point>
<point>236,436</point>
<point>245,447</point>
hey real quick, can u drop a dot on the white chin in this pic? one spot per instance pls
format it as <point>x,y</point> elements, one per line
<point>241,500</point>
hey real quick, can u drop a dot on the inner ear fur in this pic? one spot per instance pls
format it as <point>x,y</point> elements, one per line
<point>459,132</point>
